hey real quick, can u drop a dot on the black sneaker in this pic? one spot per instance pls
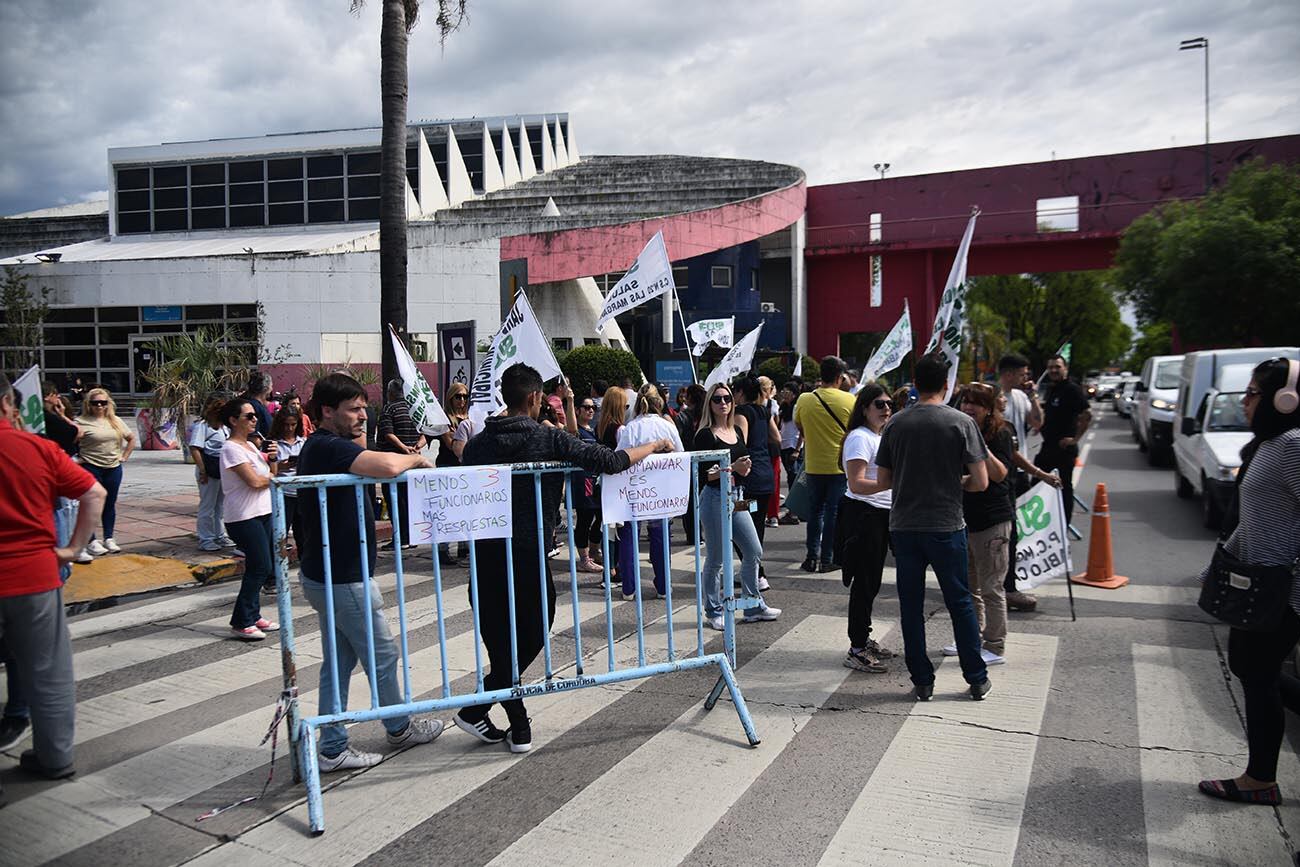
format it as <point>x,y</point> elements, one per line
<point>12,730</point>
<point>809,565</point>
<point>520,738</point>
<point>32,765</point>
<point>483,729</point>
<point>981,689</point>
<point>924,691</point>
<point>828,567</point>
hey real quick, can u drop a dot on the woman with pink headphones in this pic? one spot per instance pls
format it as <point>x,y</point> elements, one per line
<point>1267,534</point>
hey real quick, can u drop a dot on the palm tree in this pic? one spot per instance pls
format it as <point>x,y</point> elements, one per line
<point>190,366</point>
<point>398,20</point>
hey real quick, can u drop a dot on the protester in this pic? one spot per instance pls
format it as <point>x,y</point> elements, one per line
<point>862,526</point>
<point>791,441</point>
<point>1066,415</point>
<point>929,455</point>
<point>456,405</point>
<point>767,395</point>
<point>722,429</point>
<point>1267,534</point>
<point>649,427</point>
<point>398,435</point>
<point>34,473</point>
<point>1023,414</point>
<point>513,438</point>
<point>989,515</point>
<point>762,440</point>
<point>339,402</point>
<point>821,416</point>
<point>106,443</point>
<point>58,426</point>
<point>902,398</point>
<point>257,394</point>
<point>586,499</point>
<point>294,400</point>
<point>688,419</point>
<point>287,430</point>
<point>555,396</point>
<point>629,393</point>
<point>206,440</point>
<point>246,486</point>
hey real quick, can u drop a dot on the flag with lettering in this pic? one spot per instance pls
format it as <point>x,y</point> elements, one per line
<point>945,338</point>
<point>706,331</point>
<point>650,276</point>
<point>520,339</point>
<point>426,412</point>
<point>895,347</point>
<point>737,361</point>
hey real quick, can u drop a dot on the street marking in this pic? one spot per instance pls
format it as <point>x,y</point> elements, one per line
<point>952,790</point>
<point>1203,740</point>
<point>1136,594</point>
<point>668,794</point>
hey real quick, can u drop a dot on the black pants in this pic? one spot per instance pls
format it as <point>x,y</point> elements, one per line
<point>1256,659</point>
<point>586,531</point>
<point>788,460</point>
<point>254,538</point>
<point>861,541</point>
<point>688,519</point>
<point>1053,457</point>
<point>759,515</point>
<point>494,619</point>
<point>400,514</point>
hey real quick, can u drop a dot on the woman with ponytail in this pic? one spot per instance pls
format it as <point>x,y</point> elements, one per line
<point>649,425</point>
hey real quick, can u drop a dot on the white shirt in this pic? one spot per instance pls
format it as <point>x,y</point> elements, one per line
<point>861,444</point>
<point>241,501</point>
<point>1018,410</point>
<point>647,429</point>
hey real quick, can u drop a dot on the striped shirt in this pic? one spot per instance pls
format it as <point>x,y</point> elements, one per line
<point>395,418</point>
<point>1269,505</point>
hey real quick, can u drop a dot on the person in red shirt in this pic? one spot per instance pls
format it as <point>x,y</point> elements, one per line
<point>34,473</point>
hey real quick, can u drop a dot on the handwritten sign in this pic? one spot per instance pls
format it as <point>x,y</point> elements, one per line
<point>458,504</point>
<point>657,487</point>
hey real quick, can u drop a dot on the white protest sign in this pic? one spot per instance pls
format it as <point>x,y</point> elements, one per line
<point>32,409</point>
<point>457,504</point>
<point>951,316</point>
<point>737,361</point>
<point>890,353</point>
<point>1043,551</point>
<point>719,331</point>
<point>650,276</point>
<point>657,487</point>
<point>519,340</point>
<point>427,414</point>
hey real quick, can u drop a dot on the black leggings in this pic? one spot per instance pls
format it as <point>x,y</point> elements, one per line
<point>586,531</point>
<point>1256,659</point>
<point>861,541</point>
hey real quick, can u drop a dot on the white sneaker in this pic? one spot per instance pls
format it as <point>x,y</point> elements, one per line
<point>762,584</point>
<point>226,542</point>
<point>83,557</point>
<point>418,731</point>
<point>112,546</point>
<point>991,658</point>
<point>715,623</point>
<point>347,760</point>
<point>950,650</point>
<point>97,548</point>
<point>763,612</point>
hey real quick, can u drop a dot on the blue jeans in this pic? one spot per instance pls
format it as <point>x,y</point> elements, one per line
<point>743,536</point>
<point>347,646</point>
<point>825,492</point>
<point>111,480</point>
<point>628,569</point>
<point>946,552</point>
<point>255,538</point>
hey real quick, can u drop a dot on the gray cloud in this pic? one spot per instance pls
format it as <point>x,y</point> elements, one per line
<point>830,86</point>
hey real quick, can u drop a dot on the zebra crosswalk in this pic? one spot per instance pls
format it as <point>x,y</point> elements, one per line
<point>850,770</point>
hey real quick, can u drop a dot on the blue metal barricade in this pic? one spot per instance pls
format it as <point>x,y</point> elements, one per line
<point>303,727</point>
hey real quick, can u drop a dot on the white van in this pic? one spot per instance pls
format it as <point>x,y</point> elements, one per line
<point>1154,400</point>
<point>1211,426</point>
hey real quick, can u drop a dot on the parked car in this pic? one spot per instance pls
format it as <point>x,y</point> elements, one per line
<point>1154,400</point>
<point>1207,460</point>
<point>1123,399</point>
<point>1106,385</point>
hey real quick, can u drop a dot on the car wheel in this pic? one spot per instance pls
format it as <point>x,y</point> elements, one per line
<point>1210,514</point>
<point>1182,487</point>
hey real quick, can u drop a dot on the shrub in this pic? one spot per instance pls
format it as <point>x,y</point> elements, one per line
<point>780,368</point>
<point>583,365</point>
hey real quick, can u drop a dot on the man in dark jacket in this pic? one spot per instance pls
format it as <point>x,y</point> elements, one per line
<point>517,437</point>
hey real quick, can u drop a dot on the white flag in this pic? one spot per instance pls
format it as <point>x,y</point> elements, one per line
<point>519,340</point>
<point>951,316</point>
<point>798,367</point>
<point>719,331</point>
<point>426,413</point>
<point>737,361</point>
<point>650,276</point>
<point>32,409</point>
<point>890,353</point>
<point>1043,549</point>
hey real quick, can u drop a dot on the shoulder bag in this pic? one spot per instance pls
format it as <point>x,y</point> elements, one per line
<point>1244,595</point>
<point>799,500</point>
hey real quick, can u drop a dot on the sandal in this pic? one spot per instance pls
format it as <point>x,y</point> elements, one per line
<point>1228,790</point>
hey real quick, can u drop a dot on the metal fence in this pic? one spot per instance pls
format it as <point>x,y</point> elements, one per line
<point>443,694</point>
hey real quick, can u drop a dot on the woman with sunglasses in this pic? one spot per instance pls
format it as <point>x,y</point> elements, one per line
<point>246,483</point>
<point>1267,533</point>
<point>721,428</point>
<point>989,514</point>
<point>288,431</point>
<point>106,443</point>
<point>862,528</point>
<point>586,498</point>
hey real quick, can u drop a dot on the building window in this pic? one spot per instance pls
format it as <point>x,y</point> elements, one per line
<point>1060,214</point>
<point>561,344</point>
<point>681,278</point>
<point>721,276</point>
<point>591,341</point>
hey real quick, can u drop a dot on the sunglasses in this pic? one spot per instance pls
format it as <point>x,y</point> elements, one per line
<point>590,406</point>
<point>250,416</point>
<point>880,403</point>
<point>99,403</point>
<point>461,397</point>
<point>722,399</point>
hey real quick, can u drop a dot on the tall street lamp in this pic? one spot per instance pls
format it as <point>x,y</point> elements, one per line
<point>882,168</point>
<point>1198,44</point>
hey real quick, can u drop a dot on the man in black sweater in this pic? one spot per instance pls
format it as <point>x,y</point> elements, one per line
<point>517,437</point>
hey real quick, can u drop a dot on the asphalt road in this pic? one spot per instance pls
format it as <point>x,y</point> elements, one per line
<point>1087,750</point>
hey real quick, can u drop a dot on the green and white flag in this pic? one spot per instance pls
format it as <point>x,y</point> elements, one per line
<point>1064,351</point>
<point>737,361</point>
<point>426,413</point>
<point>951,316</point>
<point>32,409</point>
<point>519,340</point>
<point>719,331</point>
<point>1043,549</point>
<point>895,347</point>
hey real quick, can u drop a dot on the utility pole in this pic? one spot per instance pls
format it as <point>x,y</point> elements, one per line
<point>1200,43</point>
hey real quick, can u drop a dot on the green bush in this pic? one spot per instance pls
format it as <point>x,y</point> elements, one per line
<point>583,365</point>
<point>779,369</point>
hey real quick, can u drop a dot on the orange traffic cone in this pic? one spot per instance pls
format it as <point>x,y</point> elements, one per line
<point>1101,564</point>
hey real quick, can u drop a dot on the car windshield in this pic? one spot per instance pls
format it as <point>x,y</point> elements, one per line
<point>1226,413</point>
<point>1167,374</point>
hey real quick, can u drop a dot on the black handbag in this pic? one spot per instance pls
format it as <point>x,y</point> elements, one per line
<point>212,466</point>
<point>1246,596</point>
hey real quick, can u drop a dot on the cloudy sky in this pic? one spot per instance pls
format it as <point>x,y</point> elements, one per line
<point>830,86</point>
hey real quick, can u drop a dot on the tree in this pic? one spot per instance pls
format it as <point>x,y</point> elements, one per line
<point>1043,311</point>
<point>583,365</point>
<point>194,365</point>
<point>1225,270</point>
<point>398,19</point>
<point>23,333</point>
<point>1156,339</point>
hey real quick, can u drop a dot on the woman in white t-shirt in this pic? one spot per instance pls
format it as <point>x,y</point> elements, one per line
<point>862,528</point>
<point>246,485</point>
<point>649,425</point>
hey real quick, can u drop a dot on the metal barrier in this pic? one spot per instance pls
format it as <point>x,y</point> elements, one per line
<point>303,726</point>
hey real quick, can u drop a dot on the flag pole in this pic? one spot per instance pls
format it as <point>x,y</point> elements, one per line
<point>686,337</point>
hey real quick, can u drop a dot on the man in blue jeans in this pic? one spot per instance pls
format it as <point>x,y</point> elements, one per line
<point>929,454</point>
<point>822,416</point>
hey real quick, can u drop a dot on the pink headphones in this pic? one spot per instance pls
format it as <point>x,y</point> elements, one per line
<point>1286,399</point>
